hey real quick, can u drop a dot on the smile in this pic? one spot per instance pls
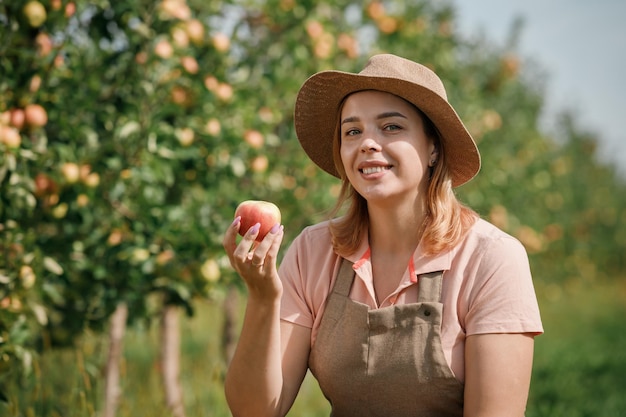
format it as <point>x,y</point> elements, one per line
<point>374,170</point>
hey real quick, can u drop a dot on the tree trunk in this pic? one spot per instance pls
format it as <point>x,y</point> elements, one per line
<point>229,329</point>
<point>170,360</point>
<point>112,373</point>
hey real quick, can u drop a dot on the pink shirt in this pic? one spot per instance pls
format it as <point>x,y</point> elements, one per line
<point>487,285</point>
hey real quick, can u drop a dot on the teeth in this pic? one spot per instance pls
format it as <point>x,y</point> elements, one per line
<point>372,170</point>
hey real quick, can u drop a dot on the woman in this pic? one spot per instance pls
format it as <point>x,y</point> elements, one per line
<point>408,304</point>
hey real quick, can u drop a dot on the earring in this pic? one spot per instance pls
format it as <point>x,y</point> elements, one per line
<point>433,162</point>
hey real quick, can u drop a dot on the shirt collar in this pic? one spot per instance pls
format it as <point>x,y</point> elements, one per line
<point>419,264</point>
<point>430,263</point>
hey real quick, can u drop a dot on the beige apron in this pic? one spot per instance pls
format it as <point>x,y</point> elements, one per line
<point>385,362</point>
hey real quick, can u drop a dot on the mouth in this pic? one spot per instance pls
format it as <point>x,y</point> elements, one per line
<point>374,170</point>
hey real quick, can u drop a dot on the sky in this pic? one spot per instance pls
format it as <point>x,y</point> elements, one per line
<point>580,45</point>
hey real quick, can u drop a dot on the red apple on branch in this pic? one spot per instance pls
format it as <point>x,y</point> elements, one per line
<point>35,115</point>
<point>256,211</point>
<point>17,118</point>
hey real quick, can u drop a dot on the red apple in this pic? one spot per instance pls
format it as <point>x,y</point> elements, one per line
<point>164,49</point>
<point>44,185</point>
<point>190,64</point>
<point>255,211</point>
<point>35,83</point>
<point>254,138</point>
<point>10,136</point>
<point>17,118</point>
<point>70,9</point>
<point>35,115</point>
<point>44,44</point>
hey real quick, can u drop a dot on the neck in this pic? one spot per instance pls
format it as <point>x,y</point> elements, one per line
<point>396,229</point>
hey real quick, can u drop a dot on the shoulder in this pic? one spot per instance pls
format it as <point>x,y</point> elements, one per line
<point>487,251</point>
<point>485,239</point>
<point>485,231</point>
<point>319,231</point>
<point>313,240</point>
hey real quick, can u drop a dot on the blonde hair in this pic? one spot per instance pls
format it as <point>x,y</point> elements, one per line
<point>447,219</point>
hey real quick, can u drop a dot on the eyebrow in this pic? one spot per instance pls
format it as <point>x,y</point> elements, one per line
<point>379,117</point>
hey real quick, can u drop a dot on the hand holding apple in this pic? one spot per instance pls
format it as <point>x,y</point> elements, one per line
<point>255,211</point>
<point>255,262</point>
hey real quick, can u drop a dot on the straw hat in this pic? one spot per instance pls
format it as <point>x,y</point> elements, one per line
<point>317,110</point>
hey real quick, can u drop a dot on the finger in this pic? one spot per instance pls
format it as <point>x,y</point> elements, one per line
<point>247,243</point>
<point>272,253</point>
<point>265,253</point>
<point>230,237</point>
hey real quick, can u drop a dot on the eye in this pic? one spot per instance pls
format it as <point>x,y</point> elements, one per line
<point>352,132</point>
<point>392,127</point>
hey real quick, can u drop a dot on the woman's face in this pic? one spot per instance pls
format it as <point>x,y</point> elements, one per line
<point>384,149</point>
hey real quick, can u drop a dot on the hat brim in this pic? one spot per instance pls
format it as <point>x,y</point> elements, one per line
<point>317,112</point>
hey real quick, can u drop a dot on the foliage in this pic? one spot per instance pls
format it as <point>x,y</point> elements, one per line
<point>129,132</point>
<point>580,361</point>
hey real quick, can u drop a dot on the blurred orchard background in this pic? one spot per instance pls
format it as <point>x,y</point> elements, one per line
<point>129,132</point>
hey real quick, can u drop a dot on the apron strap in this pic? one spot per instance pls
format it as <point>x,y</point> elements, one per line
<point>429,287</point>
<point>345,277</point>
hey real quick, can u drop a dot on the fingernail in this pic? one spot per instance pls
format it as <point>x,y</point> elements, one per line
<point>255,229</point>
<point>275,228</point>
<point>236,221</point>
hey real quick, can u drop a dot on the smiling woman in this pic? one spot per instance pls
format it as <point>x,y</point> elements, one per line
<point>408,304</point>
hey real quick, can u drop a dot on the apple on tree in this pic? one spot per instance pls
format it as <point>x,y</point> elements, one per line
<point>35,115</point>
<point>35,13</point>
<point>256,211</point>
<point>17,118</point>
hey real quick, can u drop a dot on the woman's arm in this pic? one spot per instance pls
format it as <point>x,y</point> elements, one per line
<point>271,358</point>
<point>497,374</point>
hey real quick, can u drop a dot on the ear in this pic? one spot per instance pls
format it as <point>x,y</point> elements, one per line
<point>434,155</point>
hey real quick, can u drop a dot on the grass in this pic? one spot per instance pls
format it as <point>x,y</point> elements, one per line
<point>580,362</point>
<point>579,371</point>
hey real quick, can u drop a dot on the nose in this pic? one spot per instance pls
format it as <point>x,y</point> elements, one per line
<point>370,145</point>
